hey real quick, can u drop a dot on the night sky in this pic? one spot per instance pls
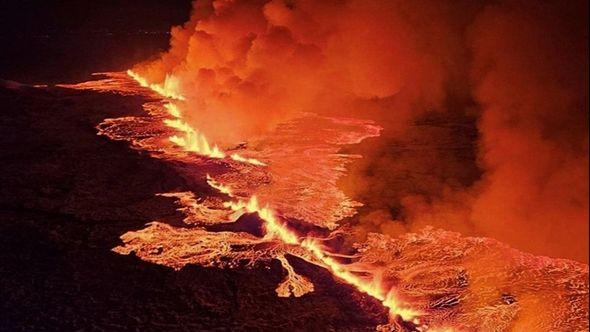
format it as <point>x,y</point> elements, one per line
<point>81,37</point>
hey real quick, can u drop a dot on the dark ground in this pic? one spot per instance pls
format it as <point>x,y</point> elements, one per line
<point>66,197</point>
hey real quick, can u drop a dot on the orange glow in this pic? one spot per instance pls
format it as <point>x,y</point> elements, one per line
<point>272,98</point>
<point>277,230</point>
<point>422,266</point>
<point>194,141</point>
<point>372,287</point>
<point>170,88</point>
<point>173,110</point>
<point>191,139</point>
<point>218,186</point>
<point>252,161</point>
<point>293,283</point>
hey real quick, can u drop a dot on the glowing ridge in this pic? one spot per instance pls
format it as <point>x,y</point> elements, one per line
<point>252,161</point>
<point>192,140</point>
<point>173,110</point>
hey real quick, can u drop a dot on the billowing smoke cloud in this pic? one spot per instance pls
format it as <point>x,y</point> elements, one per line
<point>244,65</point>
<point>531,77</point>
<point>484,104</point>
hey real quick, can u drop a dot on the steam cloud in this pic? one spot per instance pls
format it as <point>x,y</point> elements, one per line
<point>519,68</point>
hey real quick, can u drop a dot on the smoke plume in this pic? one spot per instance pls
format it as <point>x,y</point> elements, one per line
<point>484,104</point>
<point>531,79</point>
<point>245,65</point>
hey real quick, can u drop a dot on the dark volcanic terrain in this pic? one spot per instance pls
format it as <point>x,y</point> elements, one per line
<point>66,197</point>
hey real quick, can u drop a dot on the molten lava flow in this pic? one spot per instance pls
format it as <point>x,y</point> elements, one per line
<point>252,161</point>
<point>450,280</point>
<point>194,141</point>
<point>278,230</point>
<point>169,89</point>
<point>191,140</point>
<point>296,168</point>
<point>173,110</point>
<point>293,283</point>
<point>201,211</point>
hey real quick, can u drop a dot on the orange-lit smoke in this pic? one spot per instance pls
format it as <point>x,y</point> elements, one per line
<point>528,74</point>
<point>514,69</point>
<point>242,66</point>
<point>530,78</point>
<point>315,252</point>
<point>532,85</point>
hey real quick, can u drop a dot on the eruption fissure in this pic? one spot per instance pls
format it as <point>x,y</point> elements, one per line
<point>275,229</point>
<point>280,231</point>
<point>191,140</point>
<point>450,279</point>
<point>168,89</point>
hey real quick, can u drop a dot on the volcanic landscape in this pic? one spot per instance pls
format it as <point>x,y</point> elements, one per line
<point>240,180</point>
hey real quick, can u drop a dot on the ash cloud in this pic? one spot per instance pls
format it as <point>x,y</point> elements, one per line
<point>484,104</point>
<point>530,74</point>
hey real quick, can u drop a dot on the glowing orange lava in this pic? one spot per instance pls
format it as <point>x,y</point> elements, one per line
<point>453,282</point>
<point>278,230</point>
<point>169,89</point>
<point>193,141</point>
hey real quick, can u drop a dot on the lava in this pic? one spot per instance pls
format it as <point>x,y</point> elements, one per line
<point>218,186</point>
<point>432,280</point>
<point>293,283</point>
<point>252,161</point>
<point>191,139</point>
<point>473,119</point>
<point>275,229</point>
<point>281,231</point>
<point>168,89</point>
